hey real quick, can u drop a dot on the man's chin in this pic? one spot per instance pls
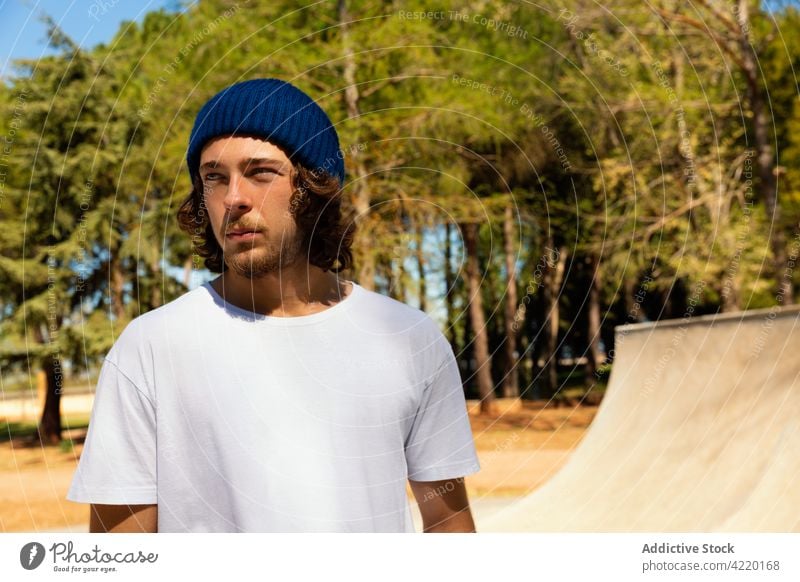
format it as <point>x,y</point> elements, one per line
<point>253,265</point>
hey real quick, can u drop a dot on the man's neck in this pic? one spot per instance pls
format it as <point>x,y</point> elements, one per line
<point>287,293</point>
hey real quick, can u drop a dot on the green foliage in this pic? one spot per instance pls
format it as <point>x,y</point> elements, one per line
<point>612,130</point>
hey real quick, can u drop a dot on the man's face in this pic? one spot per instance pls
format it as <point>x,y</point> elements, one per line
<point>247,188</point>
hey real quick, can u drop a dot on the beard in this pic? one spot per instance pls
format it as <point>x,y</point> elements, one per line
<point>263,257</point>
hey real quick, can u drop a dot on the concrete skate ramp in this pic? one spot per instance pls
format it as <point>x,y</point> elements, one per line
<point>699,431</point>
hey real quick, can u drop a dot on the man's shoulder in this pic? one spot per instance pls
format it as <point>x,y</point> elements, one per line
<point>135,349</point>
<point>168,317</point>
<point>391,312</point>
<point>405,325</point>
<point>417,337</point>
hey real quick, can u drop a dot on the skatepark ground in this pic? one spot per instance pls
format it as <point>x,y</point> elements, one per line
<point>519,449</point>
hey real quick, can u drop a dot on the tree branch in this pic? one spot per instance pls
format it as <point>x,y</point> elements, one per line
<point>721,41</point>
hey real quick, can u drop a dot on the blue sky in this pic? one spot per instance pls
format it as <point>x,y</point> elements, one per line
<point>87,22</point>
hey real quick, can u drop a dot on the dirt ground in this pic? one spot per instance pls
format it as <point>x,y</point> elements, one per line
<point>518,451</point>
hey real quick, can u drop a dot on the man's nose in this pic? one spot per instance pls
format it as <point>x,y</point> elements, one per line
<point>237,198</point>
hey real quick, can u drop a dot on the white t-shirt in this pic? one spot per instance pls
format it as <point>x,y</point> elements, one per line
<point>237,422</point>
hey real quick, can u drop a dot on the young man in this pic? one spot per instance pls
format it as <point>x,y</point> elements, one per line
<point>277,397</point>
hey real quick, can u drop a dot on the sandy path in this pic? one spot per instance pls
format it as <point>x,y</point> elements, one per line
<point>518,452</point>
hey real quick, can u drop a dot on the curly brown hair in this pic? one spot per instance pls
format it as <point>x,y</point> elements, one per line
<point>315,205</point>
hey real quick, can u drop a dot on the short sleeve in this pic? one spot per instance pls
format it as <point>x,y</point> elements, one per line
<point>440,444</point>
<point>118,462</point>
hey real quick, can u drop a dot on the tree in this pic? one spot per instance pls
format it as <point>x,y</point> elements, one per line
<point>732,29</point>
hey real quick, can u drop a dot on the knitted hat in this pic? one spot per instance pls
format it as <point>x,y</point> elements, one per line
<point>277,111</point>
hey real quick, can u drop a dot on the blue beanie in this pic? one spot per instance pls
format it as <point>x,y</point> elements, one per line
<point>276,111</point>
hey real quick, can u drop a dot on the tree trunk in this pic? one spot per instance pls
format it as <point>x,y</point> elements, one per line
<point>481,341</point>
<point>448,282</point>
<point>765,157</point>
<point>730,292</point>
<point>359,185</point>
<point>50,379</point>
<point>384,276</point>
<point>117,282</point>
<point>49,382</point>
<point>531,338</point>
<point>554,273</point>
<point>420,255</point>
<point>628,300</point>
<point>594,359</point>
<point>511,381</point>
<point>396,263</point>
<point>396,275</point>
<point>156,298</point>
<point>468,352</point>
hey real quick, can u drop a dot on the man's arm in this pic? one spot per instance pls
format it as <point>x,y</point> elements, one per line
<point>123,518</point>
<point>444,506</point>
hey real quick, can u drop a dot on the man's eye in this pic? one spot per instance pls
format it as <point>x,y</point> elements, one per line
<point>264,171</point>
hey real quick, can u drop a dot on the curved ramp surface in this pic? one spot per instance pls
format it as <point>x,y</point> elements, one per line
<point>699,431</point>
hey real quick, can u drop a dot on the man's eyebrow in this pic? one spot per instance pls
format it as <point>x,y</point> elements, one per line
<point>245,163</point>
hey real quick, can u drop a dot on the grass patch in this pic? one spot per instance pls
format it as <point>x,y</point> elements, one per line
<point>582,394</point>
<point>24,387</point>
<point>11,430</point>
<point>28,430</point>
